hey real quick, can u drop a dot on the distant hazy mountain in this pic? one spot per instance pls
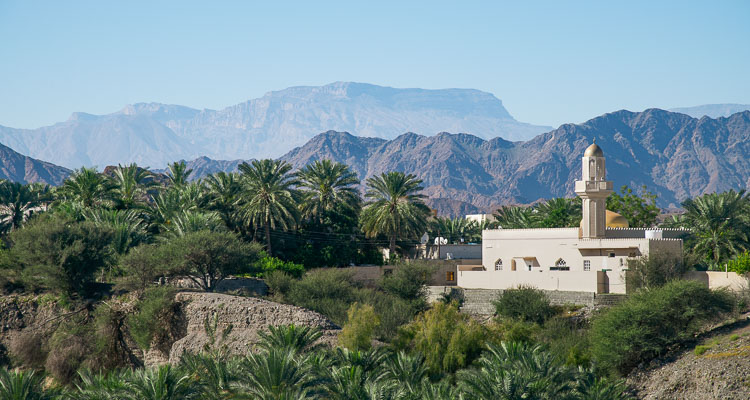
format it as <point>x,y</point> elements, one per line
<point>19,168</point>
<point>675,155</point>
<point>155,134</point>
<point>712,110</point>
<point>204,166</point>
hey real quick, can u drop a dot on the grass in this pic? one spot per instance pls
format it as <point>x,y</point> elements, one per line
<point>701,349</point>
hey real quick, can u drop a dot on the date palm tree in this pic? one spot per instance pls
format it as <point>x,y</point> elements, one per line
<point>130,185</point>
<point>720,223</point>
<point>395,209</point>
<point>327,187</point>
<point>515,217</point>
<point>224,195</point>
<point>277,374</point>
<point>127,226</point>
<point>291,337</point>
<point>178,174</point>
<point>162,383</point>
<point>269,196</point>
<point>18,202</point>
<point>87,187</point>
<point>23,385</point>
<point>559,212</point>
<point>454,230</point>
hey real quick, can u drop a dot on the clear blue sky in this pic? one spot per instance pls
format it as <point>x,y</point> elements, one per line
<point>550,62</point>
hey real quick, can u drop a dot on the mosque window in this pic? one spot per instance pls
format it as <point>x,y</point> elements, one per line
<point>560,265</point>
<point>450,276</point>
<point>499,265</point>
<point>586,265</point>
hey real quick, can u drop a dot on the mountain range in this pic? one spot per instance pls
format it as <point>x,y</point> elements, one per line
<point>674,155</point>
<point>153,134</point>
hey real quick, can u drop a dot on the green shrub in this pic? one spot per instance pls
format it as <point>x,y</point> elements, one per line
<point>279,284</point>
<point>741,264</point>
<point>392,310</point>
<point>327,291</point>
<point>446,338</point>
<point>408,281</point>
<point>358,332</point>
<point>153,321</point>
<point>60,255</point>
<point>142,266</point>
<point>567,340</point>
<point>654,270</point>
<point>525,303</point>
<point>208,257</point>
<point>266,265</point>
<point>701,349</point>
<point>651,320</point>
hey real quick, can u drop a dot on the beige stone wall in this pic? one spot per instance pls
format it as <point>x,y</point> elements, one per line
<point>718,279</point>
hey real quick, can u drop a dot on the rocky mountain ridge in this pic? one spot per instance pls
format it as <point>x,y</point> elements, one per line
<point>153,134</point>
<point>675,155</point>
<point>17,167</point>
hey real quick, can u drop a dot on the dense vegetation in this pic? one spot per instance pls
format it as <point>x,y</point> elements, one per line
<point>102,245</point>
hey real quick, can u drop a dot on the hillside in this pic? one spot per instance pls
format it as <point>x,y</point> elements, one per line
<point>712,110</point>
<point>717,370</point>
<point>19,168</point>
<point>155,134</point>
<point>675,155</point>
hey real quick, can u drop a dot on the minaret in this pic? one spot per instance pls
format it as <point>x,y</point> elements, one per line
<point>593,189</point>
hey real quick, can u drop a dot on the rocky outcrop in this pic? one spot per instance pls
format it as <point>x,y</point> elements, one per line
<point>718,370</point>
<point>17,167</point>
<point>217,321</point>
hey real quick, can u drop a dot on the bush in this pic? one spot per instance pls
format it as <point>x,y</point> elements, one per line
<point>654,270</point>
<point>59,254</point>
<point>153,322</point>
<point>279,283</point>
<point>650,321</point>
<point>446,338</point>
<point>408,281</point>
<point>327,291</point>
<point>142,266</point>
<point>110,347</point>
<point>525,303</point>
<point>393,311</point>
<point>208,257</point>
<point>357,333</point>
<point>28,350</point>
<point>740,265</point>
<point>266,265</point>
<point>69,346</point>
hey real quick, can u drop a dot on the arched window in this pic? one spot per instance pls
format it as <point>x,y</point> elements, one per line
<point>499,265</point>
<point>560,265</point>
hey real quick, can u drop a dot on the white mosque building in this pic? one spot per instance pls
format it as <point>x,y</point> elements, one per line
<point>590,258</point>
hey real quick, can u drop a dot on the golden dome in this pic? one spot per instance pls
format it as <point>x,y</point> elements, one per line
<point>593,151</point>
<point>614,220</point>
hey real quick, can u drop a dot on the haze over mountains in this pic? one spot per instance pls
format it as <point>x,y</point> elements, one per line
<point>155,134</point>
<point>712,110</point>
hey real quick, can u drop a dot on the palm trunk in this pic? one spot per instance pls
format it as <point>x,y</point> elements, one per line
<point>268,237</point>
<point>392,247</point>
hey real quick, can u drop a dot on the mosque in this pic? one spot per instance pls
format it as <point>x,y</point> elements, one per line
<point>591,258</point>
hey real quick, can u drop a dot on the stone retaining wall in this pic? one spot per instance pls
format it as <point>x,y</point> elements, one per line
<point>479,301</point>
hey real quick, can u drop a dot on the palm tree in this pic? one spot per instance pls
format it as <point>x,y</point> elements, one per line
<point>516,371</point>
<point>23,385</point>
<point>277,374</point>
<point>87,187</point>
<point>127,226</point>
<point>559,212</point>
<point>327,187</point>
<point>223,195</point>
<point>19,201</point>
<point>189,221</point>
<point>396,208</point>
<point>720,223</point>
<point>105,386</point>
<point>178,174</point>
<point>409,371</point>
<point>291,337</point>
<point>515,217</point>
<point>130,185</point>
<point>162,383</point>
<point>455,230</point>
<point>270,199</point>
<point>217,373</point>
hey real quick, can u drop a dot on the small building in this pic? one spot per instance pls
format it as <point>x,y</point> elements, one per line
<point>589,258</point>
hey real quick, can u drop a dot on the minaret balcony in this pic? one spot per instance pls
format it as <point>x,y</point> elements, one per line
<point>593,186</point>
